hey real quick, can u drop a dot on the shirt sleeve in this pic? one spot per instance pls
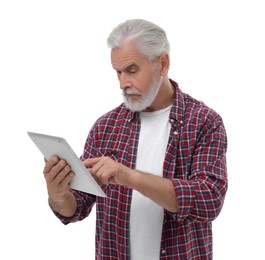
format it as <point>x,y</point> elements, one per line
<point>201,196</point>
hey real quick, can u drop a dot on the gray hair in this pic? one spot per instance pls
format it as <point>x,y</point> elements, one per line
<point>150,39</point>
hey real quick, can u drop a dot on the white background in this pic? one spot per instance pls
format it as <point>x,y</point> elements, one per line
<point>56,78</point>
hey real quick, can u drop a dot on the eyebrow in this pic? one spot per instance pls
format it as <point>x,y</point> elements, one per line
<point>130,66</point>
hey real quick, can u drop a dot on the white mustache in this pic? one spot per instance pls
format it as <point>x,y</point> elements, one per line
<point>131,92</point>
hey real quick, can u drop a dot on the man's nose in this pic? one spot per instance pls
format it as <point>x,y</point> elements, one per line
<point>124,81</point>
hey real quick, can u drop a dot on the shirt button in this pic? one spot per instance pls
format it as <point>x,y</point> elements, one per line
<point>181,121</point>
<point>163,251</point>
<point>176,133</point>
<point>174,216</point>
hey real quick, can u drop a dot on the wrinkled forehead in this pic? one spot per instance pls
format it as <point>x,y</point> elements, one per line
<point>125,55</point>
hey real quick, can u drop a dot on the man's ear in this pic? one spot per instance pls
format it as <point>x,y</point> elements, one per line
<point>164,63</point>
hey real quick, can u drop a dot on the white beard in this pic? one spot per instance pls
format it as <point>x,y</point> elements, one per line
<point>144,100</point>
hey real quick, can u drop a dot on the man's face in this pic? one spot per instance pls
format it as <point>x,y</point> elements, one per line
<point>138,78</point>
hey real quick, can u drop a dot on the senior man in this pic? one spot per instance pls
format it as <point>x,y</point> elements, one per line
<point>160,157</point>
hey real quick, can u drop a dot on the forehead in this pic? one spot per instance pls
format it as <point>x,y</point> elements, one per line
<point>126,55</point>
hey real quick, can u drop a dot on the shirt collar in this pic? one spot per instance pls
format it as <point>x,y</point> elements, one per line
<point>178,107</point>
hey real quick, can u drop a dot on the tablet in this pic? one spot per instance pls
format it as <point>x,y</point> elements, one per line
<point>54,145</point>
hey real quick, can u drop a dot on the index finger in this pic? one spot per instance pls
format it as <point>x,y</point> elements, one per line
<point>50,163</point>
<point>89,163</point>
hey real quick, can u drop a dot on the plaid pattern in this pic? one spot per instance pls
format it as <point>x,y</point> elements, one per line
<point>195,162</point>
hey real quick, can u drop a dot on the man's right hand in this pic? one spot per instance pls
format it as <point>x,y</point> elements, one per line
<point>57,174</point>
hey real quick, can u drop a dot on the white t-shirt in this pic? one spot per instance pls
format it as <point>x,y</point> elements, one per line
<point>146,218</point>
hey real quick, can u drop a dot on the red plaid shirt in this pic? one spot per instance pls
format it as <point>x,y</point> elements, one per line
<point>195,162</point>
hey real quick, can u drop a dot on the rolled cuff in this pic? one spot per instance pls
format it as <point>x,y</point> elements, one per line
<point>185,193</point>
<point>81,211</point>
